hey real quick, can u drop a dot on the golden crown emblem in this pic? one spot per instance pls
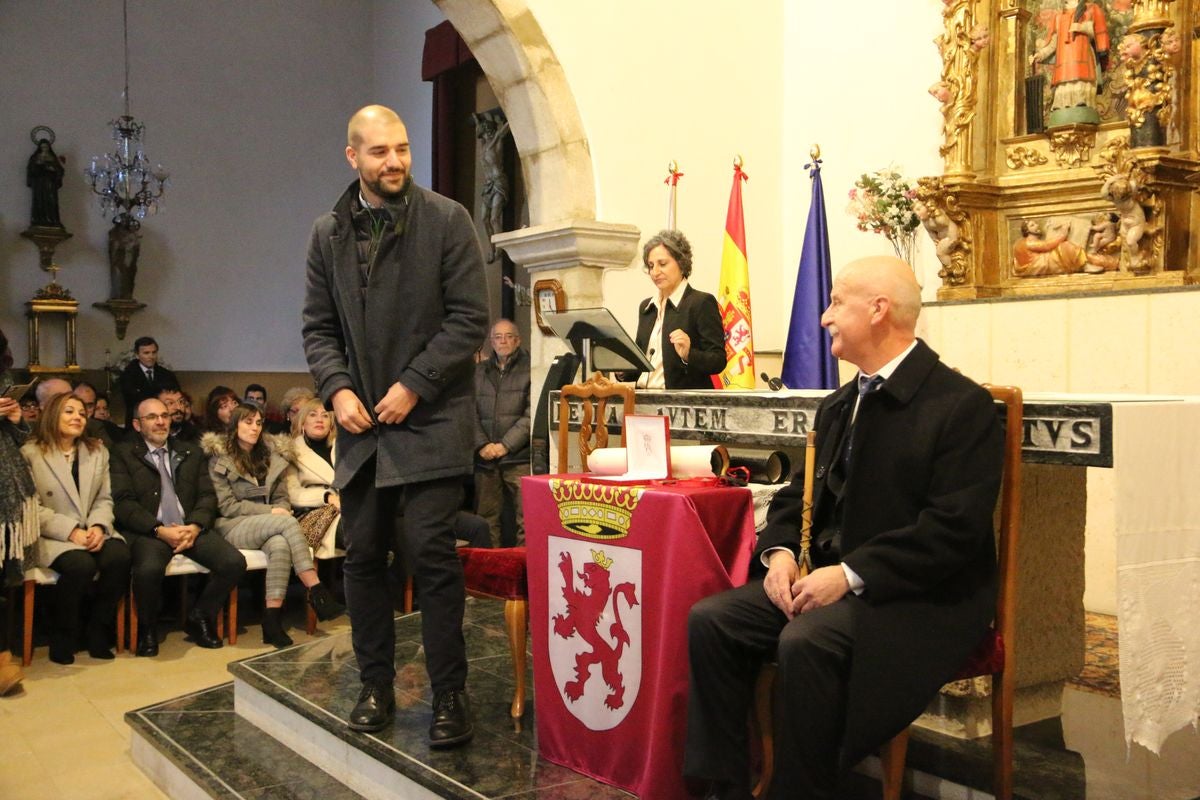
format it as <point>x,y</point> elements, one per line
<point>601,559</point>
<point>593,510</point>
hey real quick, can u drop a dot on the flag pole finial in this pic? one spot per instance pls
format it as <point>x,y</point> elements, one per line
<point>737,161</point>
<point>815,152</point>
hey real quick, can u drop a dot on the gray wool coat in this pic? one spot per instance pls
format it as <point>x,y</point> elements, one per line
<point>238,494</point>
<point>419,320</point>
<point>63,506</point>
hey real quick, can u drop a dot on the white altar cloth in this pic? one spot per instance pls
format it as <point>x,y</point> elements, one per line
<point>1156,452</point>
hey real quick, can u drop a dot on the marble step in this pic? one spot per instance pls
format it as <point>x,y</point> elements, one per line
<point>195,747</point>
<point>277,731</point>
<point>287,708</point>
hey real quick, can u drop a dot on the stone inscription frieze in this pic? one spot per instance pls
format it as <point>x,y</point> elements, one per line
<point>1054,433</point>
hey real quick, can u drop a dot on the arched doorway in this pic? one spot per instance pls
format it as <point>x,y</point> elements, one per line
<point>519,63</point>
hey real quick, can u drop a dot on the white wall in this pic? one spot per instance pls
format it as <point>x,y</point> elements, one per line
<point>246,104</point>
<point>695,82</point>
<point>398,28</point>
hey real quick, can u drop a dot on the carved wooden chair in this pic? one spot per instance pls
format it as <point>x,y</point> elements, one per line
<point>993,656</point>
<point>500,573</point>
<point>594,396</point>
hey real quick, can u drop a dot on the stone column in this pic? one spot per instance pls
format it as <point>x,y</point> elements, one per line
<point>576,253</point>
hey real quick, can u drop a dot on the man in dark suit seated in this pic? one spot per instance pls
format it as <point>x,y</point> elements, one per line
<point>164,503</point>
<point>143,377</point>
<point>181,429</point>
<point>903,580</point>
<point>96,428</point>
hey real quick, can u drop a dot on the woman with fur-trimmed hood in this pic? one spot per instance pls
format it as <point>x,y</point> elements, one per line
<point>247,471</point>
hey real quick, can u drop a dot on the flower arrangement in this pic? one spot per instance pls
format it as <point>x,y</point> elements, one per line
<point>882,201</point>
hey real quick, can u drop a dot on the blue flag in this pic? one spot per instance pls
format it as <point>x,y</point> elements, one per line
<point>807,362</point>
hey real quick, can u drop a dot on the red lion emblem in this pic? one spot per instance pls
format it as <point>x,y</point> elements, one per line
<point>584,610</point>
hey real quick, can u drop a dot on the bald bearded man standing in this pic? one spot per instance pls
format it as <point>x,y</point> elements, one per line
<point>395,308</point>
<point>908,467</point>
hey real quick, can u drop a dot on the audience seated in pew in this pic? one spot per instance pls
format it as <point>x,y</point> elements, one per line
<point>292,399</point>
<point>95,428</point>
<point>217,409</point>
<point>181,429</point>
<point>103,414</point>
<point>78,540</point>
<point>164,501</point>
<point>248,472</point>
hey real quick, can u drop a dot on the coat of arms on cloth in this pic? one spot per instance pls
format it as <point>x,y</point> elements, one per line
<point>595,620</point>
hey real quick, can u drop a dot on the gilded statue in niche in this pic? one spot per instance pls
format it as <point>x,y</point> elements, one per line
<point>1074,43</point>
<point>1068,158</point>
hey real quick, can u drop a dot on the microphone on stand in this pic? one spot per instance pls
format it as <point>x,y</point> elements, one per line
<point>774,383</point>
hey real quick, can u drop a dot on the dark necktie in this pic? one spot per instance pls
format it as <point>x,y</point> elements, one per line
<point>169,508</point>
<point>150,375</point>
<point>865,387</point>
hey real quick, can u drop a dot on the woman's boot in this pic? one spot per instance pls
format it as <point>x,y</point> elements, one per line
<point>272,625</point>
<point>323,602</point>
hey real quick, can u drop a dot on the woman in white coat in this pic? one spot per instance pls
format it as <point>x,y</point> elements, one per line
<point>75,515</point>
<point>310,476</point>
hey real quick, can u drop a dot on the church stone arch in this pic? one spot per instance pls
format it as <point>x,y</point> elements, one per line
<point>564,241</point>
<point>532,88</point>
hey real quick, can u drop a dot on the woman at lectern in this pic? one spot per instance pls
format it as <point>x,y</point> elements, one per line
<point>679,327</point>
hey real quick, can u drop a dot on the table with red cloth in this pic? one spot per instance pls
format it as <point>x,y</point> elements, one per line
<point>613,571</point>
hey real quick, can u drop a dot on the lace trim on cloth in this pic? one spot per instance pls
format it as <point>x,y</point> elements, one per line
<point>1157,524</point>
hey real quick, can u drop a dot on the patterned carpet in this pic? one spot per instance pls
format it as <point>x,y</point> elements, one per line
<point>1101,673</point>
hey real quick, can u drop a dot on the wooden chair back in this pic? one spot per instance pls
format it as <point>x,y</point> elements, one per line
<point>998,650</point>
<point>594,396</point>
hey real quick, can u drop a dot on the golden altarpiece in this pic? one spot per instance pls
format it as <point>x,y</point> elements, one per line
<point>1071,134</point>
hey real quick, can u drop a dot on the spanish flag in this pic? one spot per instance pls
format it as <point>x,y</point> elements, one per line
<point>733,295</point>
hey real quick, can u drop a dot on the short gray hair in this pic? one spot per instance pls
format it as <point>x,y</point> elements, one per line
<point>677,245</point>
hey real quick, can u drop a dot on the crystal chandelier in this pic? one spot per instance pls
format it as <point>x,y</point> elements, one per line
<point>128,187</point>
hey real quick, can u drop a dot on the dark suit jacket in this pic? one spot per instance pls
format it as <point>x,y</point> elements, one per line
<point>916,527</point>
<point>700,318</point>
<point>135,388</point>
<point>136,486</point>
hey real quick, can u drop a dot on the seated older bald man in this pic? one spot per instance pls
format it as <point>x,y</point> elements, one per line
<point>909,456</point>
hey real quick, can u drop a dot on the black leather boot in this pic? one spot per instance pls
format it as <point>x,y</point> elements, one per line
<point>272,626</point>
<point>324,603</point>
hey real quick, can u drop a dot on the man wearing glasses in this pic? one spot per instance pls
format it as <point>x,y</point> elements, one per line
<point>502,428</point>
<point>162,495</point>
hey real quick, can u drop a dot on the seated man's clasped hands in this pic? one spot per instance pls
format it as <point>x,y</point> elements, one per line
<point>909,458</point>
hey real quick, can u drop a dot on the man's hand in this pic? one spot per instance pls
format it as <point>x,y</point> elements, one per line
<point>178,537</point>
<point>279,510</point>
<point>10,409</point>
<point>396,404</point>
<point>782,572</point>
<point>351,414</point>
<point>492,451</point>
<point>821,587</point>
